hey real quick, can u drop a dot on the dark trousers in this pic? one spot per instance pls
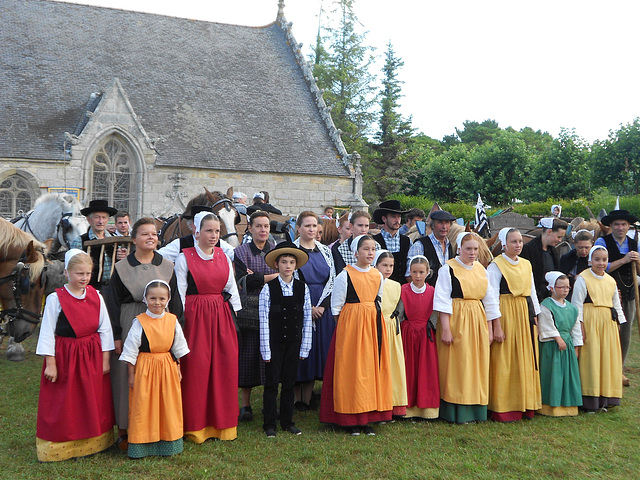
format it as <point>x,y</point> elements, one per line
<point>282,368</point>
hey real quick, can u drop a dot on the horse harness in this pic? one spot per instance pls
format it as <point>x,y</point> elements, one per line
<point>20,285</point>
<point>227,204</point>
<point>63,225</point>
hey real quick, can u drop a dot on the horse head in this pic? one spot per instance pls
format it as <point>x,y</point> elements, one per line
<point>222,206</point>
<point>21,288</point>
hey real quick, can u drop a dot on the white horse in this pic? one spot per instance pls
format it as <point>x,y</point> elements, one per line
<point>56,216</point>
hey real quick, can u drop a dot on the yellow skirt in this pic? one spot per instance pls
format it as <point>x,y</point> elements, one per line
<point>600,357</point>
<point>56,451</point>
<point>464,365</point>
<point>398,371</point>
<point>200,436</point>
<point>514,381</point>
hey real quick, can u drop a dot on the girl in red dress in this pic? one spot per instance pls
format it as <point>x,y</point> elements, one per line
<point>419,342</point>
<point>75,410</point>
<point>210,370</point>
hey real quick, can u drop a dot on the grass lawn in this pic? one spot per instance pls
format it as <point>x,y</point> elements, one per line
<point>603,445</point>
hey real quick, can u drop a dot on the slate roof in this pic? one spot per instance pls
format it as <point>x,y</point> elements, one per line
<point>219,96</point>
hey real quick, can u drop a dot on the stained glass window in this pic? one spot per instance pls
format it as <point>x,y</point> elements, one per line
<point>115,175</point>
<point>16,195</point>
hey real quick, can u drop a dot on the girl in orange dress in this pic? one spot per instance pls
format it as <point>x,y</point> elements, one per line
<point>357,378</point>
<point>152,351</point>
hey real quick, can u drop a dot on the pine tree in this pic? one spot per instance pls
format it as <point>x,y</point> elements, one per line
<point>387,170</point>
<point>342,70</point>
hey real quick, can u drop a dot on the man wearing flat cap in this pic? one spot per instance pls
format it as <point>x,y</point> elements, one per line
<point>623,250</point>
<point>98,213</point>
<point>435,246</point>
<point>389,215</point>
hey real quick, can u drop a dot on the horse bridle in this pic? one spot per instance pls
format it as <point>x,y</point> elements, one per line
<point>228,206</point>
<point>20,285</point>
<point>64,224</point>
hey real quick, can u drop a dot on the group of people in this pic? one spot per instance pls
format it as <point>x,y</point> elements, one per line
<point>393,329</point>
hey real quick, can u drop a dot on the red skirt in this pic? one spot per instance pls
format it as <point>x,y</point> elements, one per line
<point>79,404</point>
<point>421,364</point>
<point>210,370</point>
<point>327,412</point>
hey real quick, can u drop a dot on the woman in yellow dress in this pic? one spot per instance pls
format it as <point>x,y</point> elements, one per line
<point>514,377</point>
<point>391,312</point>
<point>466,302</point>
<point>596,297</point>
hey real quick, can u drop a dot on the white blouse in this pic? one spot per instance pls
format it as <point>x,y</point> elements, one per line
<point>547,330</point>
<point>495,276</point>
<point>580,293</point>
<point>47,338</point>
<point>131,347</point>
<point>442,301</point>
<point>181,270</point>
<point>339,295</point>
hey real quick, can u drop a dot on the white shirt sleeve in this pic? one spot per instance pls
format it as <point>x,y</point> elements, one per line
<point>442,296</point>
<point>227,249</point>
<point>305,345</point>
<point>104,327</point>
<point>231,287</point>
<point>181,270</point>
<point>534,296</point>
<point>576,335</point>
<point>264,304</point>
<point>491,301</point>
<point>495,276</point>
<point>47,338</point>
<point>179,347</point>
<point>578,296</point>
<point>546,327</point>
<point>131,346</point>
<point>381,289</point>
<point>339,295</point>
<point>171,251</point>
<point>618,307</point>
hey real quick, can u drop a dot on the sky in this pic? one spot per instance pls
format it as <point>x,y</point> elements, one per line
<point>548,64</point>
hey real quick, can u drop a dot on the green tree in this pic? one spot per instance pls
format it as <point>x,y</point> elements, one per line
<point>561,170</point>
<point>498,170</point>
<point>475,133</point>
<point>616,161</point>
<point>386,169</point>
<point>442,176</point>
<point>343,71</point>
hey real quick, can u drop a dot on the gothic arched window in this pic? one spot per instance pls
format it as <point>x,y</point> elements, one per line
<point>16,195</point>
<point>115,176</point>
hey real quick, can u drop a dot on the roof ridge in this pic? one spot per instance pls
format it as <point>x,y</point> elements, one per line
<point>323,108</point>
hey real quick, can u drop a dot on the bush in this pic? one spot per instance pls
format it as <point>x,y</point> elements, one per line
<point>577,207</point>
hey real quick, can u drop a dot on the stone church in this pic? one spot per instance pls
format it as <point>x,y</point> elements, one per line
<point>144,110</point>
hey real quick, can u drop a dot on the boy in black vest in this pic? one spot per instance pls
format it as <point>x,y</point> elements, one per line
<point>285,333</point>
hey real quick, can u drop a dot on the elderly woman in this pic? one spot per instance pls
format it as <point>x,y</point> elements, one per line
<point>253,272</point>
<point>124,302</point>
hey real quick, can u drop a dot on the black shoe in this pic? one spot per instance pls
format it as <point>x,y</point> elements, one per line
<point>293,429</point>
<point>246,414</point>
<point>353,431</point>
<point>368,430</point>
<point>270,432</point>
<point>301,406</point>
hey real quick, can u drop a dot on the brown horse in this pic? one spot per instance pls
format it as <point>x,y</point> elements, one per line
<point>222,205</point>
<point>22,262</point>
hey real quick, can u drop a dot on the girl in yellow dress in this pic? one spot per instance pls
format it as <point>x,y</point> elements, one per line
<point>391,312</point>
<point>466,302</point>
<point>514,377</point>
<point>596,297</point>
